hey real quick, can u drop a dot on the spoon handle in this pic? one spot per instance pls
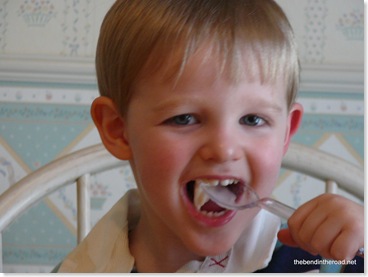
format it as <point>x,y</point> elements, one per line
<point>276,207</point>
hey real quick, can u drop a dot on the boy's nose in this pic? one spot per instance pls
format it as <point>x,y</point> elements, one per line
<point>220,148</point>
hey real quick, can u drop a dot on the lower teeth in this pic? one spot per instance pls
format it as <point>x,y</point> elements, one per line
<point>212,214</point>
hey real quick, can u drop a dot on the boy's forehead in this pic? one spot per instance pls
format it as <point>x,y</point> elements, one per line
<point>207,64</point>
<point>202,71</point>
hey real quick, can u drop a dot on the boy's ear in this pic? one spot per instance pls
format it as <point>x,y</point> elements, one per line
<point>111,127</point>
<point>294,121</point>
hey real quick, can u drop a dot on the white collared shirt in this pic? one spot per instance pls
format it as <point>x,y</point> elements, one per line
<point>106,248</point>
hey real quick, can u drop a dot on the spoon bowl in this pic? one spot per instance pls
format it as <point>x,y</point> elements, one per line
<point>245,198</point>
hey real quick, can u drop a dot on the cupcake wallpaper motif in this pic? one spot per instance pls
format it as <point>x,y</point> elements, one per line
<point>37,12</point>
<point>351,25</point>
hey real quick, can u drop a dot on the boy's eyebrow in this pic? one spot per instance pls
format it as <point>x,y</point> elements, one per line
<point>174,103</point>
<point>270,105</point>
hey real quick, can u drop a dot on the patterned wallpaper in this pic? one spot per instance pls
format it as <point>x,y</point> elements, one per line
<point>71,26</point>
<point>40,121</point>
<point>328,31</point>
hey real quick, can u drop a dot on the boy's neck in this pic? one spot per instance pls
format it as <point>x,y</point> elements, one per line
<point>156,253</point>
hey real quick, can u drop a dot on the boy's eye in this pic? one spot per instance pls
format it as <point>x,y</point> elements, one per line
<point>183,119</point>
<point>252,120</point>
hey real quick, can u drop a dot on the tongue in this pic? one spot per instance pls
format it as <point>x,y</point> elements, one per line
<point>211,206</point>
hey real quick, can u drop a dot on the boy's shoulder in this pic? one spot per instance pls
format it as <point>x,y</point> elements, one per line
<point>108,242</point>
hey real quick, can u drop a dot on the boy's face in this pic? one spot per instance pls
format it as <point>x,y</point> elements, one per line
<point>203,128</point>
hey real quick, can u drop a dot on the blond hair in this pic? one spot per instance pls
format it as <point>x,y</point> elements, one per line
<point>142,35</point>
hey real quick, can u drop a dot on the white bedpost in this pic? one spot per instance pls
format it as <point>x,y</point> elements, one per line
<point>331,187</point>
<point>83,207</point>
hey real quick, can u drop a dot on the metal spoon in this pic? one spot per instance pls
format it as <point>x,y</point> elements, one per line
<point>246,198</point>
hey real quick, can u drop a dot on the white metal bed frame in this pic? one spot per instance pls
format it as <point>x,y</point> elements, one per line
<point>78,166</point>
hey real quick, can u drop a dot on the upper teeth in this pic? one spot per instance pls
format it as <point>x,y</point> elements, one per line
<point>214,182</point>
<point>200,197</point>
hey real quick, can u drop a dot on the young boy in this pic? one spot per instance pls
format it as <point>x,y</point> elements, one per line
<point>197,92</point>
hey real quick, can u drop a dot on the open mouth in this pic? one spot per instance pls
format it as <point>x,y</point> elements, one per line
<point>202,201</point>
